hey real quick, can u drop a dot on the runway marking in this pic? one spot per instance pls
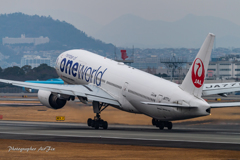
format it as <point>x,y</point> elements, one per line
<point>228,133</point>
<point>143,139</point>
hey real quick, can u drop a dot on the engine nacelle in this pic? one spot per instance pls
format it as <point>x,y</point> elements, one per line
<point>49,100</point>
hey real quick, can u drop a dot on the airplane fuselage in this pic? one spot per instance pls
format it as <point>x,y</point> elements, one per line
<point>129,86</point>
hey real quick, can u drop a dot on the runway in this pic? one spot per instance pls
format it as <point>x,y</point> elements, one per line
<point>20,104</point>
<point>207,136</point>
<point>18,99</point>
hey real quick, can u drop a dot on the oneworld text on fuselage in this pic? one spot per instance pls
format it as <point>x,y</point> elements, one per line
<point>81,71</point>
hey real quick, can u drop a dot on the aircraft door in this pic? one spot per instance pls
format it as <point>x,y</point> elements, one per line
<point>125,89</point>
<point>125,104</point>
<point>159,98</point>
<point>164,112</point>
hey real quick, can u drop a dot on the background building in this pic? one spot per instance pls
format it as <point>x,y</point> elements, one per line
<point>222,69</point>
<point>34,61</point>
<point>146,62</point>
<point>24,40</point>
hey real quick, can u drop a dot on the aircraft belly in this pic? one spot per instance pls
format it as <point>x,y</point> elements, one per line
<point>166,113</point>
<point>163,113</point>
<point>127,106</point>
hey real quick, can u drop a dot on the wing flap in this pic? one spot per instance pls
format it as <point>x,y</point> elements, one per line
<point>100,99</point>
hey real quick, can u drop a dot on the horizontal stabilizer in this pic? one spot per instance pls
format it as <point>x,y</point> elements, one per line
<point>168,105</point>
<point>222,105</point>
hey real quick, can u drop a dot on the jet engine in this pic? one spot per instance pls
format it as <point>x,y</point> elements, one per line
<point>50,100</point>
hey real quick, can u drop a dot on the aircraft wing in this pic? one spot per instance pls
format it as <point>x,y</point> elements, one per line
<point>220,88</point>
<point>91,92</point>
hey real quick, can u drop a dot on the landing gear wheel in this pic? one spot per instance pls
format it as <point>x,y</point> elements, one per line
<point>161,125</point>
<point>157,123</point>
<point>154,122</point>
<point>169,125</point>
<point>96,125</point>
<point>72,98</point>
<point>97,121</point>
<point>105,125</point>
<point>93,123</point>
<point>89,122</point>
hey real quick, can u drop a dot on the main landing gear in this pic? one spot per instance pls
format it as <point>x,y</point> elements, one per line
<point>97,121</point>
<point>162,124</point>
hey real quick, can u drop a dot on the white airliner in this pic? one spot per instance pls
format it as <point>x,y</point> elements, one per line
<point>106,82</point>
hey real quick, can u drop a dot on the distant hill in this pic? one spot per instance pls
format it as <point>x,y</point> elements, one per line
<point>62,35</point>
<point>80,21</point>
<point>188,32</point>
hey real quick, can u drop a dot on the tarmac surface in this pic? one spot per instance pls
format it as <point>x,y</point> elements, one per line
<point>205,136</point>
<point>18,99</point>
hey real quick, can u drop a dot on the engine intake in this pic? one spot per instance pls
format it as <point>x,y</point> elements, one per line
<point>50,100</point>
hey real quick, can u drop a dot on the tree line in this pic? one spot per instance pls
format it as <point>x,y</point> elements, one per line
<point>42,72</point>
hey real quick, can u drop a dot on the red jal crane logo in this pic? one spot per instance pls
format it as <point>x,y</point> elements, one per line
<point>198,73</point>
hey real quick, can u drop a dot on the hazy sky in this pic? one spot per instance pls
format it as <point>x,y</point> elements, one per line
<point>104,11</point>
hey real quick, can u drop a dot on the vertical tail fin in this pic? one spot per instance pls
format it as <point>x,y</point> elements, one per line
<point>193,82</point>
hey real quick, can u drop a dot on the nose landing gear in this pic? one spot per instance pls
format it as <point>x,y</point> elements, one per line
<point>162,124</point>
<point>97,121</point>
